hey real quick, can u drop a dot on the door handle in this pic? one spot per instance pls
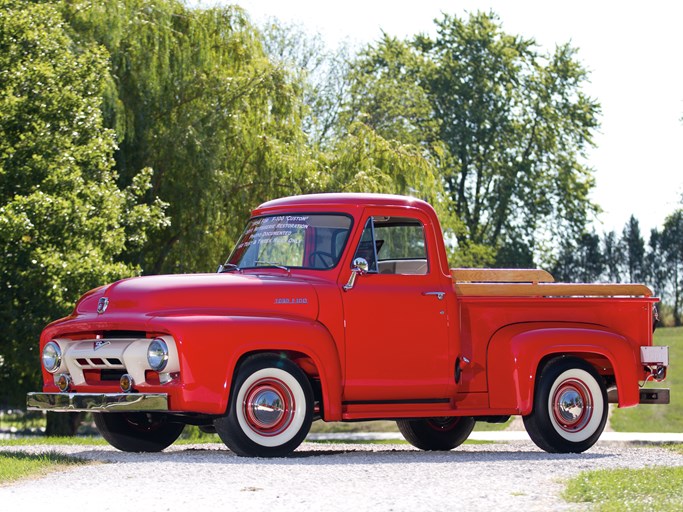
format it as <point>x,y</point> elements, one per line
<point>438,295</point>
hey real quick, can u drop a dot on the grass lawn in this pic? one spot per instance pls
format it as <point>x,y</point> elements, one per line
<point>321,427</point>
<point>43,440</point>
<point>14,466</point>
<point>628,489</point>
<point>659,418</point>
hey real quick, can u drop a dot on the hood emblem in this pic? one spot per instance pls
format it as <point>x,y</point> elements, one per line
<point>100,343</point>
<point>102,305</point>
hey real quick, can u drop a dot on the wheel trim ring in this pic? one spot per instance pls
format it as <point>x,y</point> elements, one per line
<point>572,405</point>
<point>256,412</point>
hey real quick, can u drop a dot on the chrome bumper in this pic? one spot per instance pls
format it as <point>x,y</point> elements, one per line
<point>97,402</point>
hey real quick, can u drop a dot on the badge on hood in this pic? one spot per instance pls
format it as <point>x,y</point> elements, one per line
<point>102,305</point>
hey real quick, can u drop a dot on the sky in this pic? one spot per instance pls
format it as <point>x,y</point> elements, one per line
<point>632,49</point>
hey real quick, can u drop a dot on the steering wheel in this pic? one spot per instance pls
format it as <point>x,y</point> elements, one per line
<point>322,256</point>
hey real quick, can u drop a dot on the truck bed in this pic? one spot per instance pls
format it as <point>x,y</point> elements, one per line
<point>490,299</point>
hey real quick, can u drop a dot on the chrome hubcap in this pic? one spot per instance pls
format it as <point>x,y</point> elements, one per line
<point>572,405</point>
<point>268,407</point>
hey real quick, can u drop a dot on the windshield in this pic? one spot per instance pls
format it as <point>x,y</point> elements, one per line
<point>311,241</point>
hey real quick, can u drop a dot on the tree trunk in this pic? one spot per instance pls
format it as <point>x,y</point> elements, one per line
<point>63,423</point>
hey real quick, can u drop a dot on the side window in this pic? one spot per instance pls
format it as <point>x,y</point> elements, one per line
<point>394,245</point>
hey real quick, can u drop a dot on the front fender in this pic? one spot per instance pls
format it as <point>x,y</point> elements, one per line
<point>515,352</point>
<point>210,348</point>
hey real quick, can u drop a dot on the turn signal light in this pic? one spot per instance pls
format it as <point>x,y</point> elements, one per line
<point>63,382</point>
<point>126,383</point>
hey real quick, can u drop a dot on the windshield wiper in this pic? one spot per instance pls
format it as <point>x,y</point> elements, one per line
<point>271,264</point>
<point>227,267</point>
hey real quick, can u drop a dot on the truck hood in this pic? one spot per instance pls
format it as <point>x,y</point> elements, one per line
<point>227,293</point>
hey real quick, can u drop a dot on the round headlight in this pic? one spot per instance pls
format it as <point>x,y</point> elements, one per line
<point>157,354</point>
<point>52,357</point>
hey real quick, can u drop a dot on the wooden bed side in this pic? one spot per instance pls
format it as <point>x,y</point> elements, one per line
<point>534,283</point>
<point>501,275</point>
<point>551,290</point>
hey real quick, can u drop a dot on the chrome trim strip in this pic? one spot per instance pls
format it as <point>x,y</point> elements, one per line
<point>102,402</point>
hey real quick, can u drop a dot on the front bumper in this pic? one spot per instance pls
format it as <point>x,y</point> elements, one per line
<point>97,402</point>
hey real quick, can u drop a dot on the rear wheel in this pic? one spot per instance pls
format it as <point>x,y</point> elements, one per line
<point>138,432</point>
<point>437,433</point>
<point>270,410</point>
<point>570,407</point>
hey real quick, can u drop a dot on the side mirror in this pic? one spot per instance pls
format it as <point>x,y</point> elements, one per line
<point>360,268</point>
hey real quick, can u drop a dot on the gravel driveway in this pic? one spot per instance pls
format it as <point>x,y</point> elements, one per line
<point>350,477</point>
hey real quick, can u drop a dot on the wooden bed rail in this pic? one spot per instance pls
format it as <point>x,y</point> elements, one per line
<point>534,283</point>
<point>501,275</point>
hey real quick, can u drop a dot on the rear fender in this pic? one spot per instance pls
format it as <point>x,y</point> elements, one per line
<point>516,352</point>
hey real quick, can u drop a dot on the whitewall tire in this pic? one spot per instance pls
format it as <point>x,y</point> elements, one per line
<point>270,410</point>
<point>570,406</point>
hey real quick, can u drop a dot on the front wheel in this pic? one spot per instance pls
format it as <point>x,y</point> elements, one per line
<point>570,407</point>
<point>270,410</point>
<point>137,432</point>
<point>437,433</point>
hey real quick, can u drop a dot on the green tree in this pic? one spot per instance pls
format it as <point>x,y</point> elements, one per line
<point>634,251</point>
<point>228,118</point>
<point>614,257</point>
<point>565,267</point>
<point>195,97</point>
<point>591,258</point>
<point>672,249</point>
<point>388,93</point>
<point>655,264</point>
<point>506,126</point>
<point>582,261</point>
<point>363,161</point>
<point>64,223</point>
<point>321,72</point>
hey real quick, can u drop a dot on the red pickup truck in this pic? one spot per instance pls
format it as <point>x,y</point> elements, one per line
<point>342,307</point>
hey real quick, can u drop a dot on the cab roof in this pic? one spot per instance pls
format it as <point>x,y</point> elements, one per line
<point>343,200</point>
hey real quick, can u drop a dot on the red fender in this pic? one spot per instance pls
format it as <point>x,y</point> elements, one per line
<point>210,348</point>
<point>515,352</point>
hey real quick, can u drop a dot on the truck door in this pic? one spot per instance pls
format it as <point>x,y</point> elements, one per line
<point>396,320</point>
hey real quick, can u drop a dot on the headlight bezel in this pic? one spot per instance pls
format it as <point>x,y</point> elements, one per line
<point>157,354</point>
<point>55,356</point>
